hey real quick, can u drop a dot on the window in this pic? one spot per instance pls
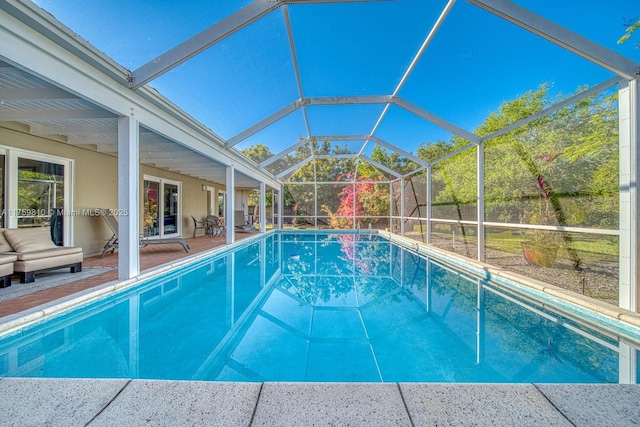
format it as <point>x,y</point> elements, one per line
<point>40,191</point>
<point>35,187</point>
<point>222,200</point>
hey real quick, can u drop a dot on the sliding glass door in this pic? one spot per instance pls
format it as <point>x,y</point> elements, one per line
<point>171,209</point>
<point>161,209</point>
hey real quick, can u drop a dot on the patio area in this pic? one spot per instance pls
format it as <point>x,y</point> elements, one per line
<point>150,257</point>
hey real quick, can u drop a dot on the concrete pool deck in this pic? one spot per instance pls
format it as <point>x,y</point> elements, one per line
<point>123,402</point>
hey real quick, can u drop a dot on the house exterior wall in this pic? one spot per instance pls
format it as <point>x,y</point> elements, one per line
<point>95,185</point>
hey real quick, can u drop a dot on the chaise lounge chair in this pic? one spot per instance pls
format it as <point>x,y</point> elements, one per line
<point>112,243</point>
<point>241,224</point>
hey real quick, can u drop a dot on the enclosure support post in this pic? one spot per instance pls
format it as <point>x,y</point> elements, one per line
<point>480,204</point>
<point>315,205</point>
<point>274,224</point>
<point>280,206</point>
<point>629,108</point>
<point>429,225</point>
<point>263,207</point>
<point>402,213</point>
<point>128,197</point>
<point>355,201</point>
<point>627,364</point>
<point>231,204</point>
<point>391,212</point>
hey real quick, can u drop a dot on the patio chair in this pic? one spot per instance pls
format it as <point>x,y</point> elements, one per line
<point>215,226</point>
<point>241,224</point>
<point>199,225</point>
<point>112,243</point>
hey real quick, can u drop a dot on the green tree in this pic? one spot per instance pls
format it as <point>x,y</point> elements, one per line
<point>631,28</point>
<point>393,160</point>
<point>258,153</point>
<point>573,152</point>
<point>431,151</point>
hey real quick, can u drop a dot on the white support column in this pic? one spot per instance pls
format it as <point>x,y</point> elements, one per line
<point>263,207</point>
<point>429,226</point>
<point>627,362</point>
<point>480,203</point>
<point>402,183</point>
<point>231,203</point>
<point>128,197</point>
<point>629,108</point>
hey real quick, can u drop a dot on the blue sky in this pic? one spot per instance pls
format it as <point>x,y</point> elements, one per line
<point>475,62</point>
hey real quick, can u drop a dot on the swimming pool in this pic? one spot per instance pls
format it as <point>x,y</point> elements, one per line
<point>317,307</point>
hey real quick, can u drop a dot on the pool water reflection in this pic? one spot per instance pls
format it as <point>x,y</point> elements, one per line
<point>315,307</point>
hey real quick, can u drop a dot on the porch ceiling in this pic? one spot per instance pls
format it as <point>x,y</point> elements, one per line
<point>49,110</point>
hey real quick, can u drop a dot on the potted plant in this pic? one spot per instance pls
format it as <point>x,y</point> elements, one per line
<point>300,221</point>
<point>540,247</point>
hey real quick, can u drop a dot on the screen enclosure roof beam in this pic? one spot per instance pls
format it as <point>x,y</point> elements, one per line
<point>296,66</point>
<point>413,64</point>
<point>438,121</point>
<point>561,36</point>
<point>380,166</point>
<point>281,154</point>
<point>201,41</point>
<point>399,150</point>
<point>283,112</point>
<point>294,167</point>
<point>212,35</point>
<point>555,107</point>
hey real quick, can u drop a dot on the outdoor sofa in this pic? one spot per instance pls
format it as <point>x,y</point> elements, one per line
<point>35,251</point>
<point>6,269</point>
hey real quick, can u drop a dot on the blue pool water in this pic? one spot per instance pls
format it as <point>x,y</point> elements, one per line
<point>315,307</point>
